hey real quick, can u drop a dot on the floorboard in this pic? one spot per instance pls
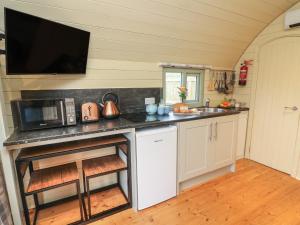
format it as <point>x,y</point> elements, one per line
<point>254,195</point>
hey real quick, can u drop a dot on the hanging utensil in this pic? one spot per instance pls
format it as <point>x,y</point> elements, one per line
<point>210,86</point>
<point>220,87</point>
<point>216,85</point>
<point>225,83</point>
<point>231,82</point>
<point>225,80</point>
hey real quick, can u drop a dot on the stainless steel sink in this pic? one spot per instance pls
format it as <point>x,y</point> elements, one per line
<point>212,110</point>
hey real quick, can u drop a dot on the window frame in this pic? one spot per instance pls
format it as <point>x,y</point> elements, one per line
<point>199,73</point>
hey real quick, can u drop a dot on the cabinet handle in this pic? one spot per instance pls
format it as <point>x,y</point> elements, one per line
<point>216,130</point>
<point>210,131</point>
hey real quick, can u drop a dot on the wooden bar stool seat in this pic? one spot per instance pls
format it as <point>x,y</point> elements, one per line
<point>103,165</point>
<point>44,179</point>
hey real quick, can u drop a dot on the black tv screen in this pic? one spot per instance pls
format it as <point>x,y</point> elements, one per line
<point>39,46</point>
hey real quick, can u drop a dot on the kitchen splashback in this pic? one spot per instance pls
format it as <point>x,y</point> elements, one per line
<point>130,99</point>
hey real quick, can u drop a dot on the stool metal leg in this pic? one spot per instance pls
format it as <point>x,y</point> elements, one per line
<point>88,197</point>
<point>84,182</point>
<point>35,196</point>
<point>22,192</point>
<point>84,194</point>
<point>129,185</point>
<point>80,200</point>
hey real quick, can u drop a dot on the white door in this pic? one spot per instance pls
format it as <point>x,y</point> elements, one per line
<point>225,133</point>
<point>195,144</point>
<point>276,111</point>
<point>156,151</point>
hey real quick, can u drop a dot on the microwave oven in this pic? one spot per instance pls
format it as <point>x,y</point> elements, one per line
<point>43,113</point>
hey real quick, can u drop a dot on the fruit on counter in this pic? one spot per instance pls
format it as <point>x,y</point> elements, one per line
<point>225,104</point>
<point>180,108</point>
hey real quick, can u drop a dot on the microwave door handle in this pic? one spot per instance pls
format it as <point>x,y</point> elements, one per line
<point>62,112</point>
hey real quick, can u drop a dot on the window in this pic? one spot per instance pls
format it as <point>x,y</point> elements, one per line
<point>193,80</point>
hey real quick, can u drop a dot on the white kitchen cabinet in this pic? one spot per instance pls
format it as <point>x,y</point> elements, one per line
<point>224,140</point>
<point>242,133</point>
<point>194,146</point>
<point>206,145</point>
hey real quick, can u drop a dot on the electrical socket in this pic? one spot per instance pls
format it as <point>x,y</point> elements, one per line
<point>149,101</point>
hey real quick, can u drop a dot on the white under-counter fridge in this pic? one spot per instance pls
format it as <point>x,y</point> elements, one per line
<point>156,160</point>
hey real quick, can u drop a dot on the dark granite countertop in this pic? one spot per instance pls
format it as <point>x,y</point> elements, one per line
<point>18,137</point>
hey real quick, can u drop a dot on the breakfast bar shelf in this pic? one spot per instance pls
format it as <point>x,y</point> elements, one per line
<point>48,151</point>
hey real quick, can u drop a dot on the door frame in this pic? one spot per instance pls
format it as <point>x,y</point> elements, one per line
<point>295,171</point>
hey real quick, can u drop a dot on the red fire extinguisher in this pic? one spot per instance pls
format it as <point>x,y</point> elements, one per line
<point>244,72</point>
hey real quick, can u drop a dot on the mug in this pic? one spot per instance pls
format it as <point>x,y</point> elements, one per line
<point>151,109</point>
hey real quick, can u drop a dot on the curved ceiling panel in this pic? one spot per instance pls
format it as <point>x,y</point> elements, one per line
<point>214,32</point>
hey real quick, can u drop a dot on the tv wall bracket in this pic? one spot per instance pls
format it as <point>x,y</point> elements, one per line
<point>2,36</point>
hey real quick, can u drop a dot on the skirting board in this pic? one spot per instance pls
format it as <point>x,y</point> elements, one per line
<point>240,157</point>
<point>205,178</point>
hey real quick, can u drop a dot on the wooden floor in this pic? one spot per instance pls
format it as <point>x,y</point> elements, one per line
<point>254,195</point>
<point>106,200</point>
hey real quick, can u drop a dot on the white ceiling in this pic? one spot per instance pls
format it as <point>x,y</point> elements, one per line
<point>214,32</point>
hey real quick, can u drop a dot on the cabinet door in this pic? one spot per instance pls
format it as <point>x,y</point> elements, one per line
<point>225,140</point>
<point>194,145</point>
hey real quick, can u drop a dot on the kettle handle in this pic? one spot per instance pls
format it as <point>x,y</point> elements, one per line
<point>115,97</point>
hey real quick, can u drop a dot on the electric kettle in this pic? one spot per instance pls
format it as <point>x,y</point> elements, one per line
<point>109,106</point>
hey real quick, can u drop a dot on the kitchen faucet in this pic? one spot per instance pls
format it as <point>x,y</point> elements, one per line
<point>207,101</point>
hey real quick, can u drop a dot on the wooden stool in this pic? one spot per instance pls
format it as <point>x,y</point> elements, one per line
<point>46,179</point>
<point>101,166</point>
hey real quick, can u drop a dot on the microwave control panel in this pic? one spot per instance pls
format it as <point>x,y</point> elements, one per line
<point>70,111</point>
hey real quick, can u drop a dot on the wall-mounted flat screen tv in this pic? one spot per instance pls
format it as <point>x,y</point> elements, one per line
<point>38,46</point>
